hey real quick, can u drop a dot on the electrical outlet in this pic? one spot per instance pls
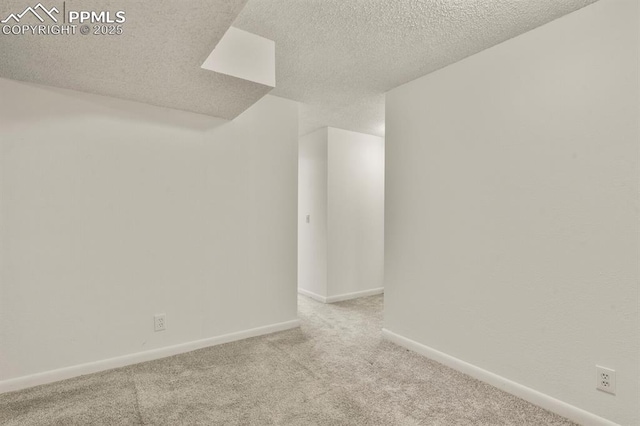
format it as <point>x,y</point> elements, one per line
<point>160,322</point>
<point>606,379</point>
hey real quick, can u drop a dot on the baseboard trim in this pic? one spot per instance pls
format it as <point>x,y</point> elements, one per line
<point>540,399</point>
<point>341,297</point>
<point>355,295</point>
<point>312,295</point>
<point>122,361</point>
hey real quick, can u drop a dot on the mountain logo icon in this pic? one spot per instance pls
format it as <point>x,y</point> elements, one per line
<point>43,11</point>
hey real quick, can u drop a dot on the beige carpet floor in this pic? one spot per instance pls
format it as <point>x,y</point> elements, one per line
<point>334,370</point>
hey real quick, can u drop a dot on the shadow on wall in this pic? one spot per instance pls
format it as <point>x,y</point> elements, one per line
<point>81,103</point>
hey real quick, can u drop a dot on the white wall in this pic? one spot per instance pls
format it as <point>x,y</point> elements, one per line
<point>244,55</point>
<point>356,212</point>
<point>312,201</point>
<point>512,209</point>
<point>341,186</point>
<point>114,211</point>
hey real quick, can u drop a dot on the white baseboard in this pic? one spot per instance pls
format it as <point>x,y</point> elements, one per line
<point>341,297</point>
<point>122,361</point>
<point>540,399</point>
<point>312,295</point>
<point>355,295</point>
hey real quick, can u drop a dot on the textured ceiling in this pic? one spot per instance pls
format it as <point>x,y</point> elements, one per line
<point>156,60</point>
<point>340,56</point>
<point>337,57</point>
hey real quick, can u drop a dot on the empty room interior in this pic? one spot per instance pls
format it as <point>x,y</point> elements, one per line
<point>319,212</point>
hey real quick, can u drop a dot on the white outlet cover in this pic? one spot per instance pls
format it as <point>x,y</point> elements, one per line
<point>606,379</point>
<point>160,322</point>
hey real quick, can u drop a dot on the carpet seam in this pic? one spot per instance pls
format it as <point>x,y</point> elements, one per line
<point>137,400</point>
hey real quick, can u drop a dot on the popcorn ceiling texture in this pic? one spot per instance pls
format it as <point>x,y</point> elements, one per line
<point>156,60</point>
<point>339,57</point>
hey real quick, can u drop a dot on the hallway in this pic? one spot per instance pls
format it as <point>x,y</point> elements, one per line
<point>335,369</point>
